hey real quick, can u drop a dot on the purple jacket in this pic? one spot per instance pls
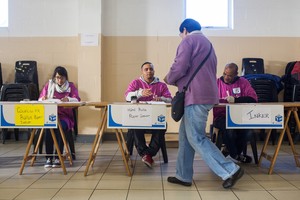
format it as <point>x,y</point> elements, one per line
<point>65,114</point>
<point>190,52</point>
<point>158,88</point>
<point>239,88</point>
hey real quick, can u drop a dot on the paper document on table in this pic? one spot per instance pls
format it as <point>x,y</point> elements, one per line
<point>153,102</point>
<point>26,101</point>
<point>51,101</point>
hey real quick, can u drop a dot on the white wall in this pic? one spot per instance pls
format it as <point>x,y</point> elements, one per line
<point>143,18</point>
<point>40,18</point>
<point>163,17</point>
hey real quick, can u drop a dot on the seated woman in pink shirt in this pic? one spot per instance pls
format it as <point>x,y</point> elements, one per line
<point>59,88</point>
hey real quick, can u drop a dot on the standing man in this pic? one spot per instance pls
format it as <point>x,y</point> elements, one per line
<point>148,88</point>
<point>234,89</point>
<point>200,97</point>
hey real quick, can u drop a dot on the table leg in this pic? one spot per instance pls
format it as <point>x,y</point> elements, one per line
<point>263,151</point>
<point>296,155</point>
<point>58,151</point>
<point>66,145</point>
<point>280,141</point>
<point>97,141</point>
<point>26,157</point>
<point>37,146</point>
<point>126,156</point>
<point>125,147</point>
<point>273,158</point>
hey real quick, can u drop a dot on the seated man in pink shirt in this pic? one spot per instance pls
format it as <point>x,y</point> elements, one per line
<point>233,89</point>
<point>147,88</point>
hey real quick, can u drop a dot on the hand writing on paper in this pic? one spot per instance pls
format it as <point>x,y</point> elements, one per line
<point>230,99</point>
<point>65,99</point>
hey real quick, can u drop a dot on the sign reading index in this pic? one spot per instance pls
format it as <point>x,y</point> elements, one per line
<point>29,114</point>
<point>254,116</point>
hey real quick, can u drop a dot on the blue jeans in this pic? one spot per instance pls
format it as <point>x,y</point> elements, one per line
<point>192,138</point>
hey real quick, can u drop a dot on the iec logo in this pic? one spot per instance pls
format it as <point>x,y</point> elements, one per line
<point>52,117</point>
<point>161,118</point>
<point>278,118</point>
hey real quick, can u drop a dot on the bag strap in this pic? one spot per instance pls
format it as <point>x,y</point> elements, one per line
<point>199,67</point>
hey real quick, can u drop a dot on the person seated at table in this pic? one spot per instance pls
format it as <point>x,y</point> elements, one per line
<point>59,87</point>
<point>233,89</point>
<point>147,88</point>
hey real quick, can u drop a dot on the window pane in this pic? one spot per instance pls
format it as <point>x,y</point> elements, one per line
<point>3,13</point>
<point>210,13</point>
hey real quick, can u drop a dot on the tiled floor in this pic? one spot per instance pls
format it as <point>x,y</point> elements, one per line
<point>108,178</point>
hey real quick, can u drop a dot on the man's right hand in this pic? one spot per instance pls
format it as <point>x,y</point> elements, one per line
<point>146,92</point>
<point>230,99</point>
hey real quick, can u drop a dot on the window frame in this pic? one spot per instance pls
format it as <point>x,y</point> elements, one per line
<point>230,24</point>
<point>4,6</point>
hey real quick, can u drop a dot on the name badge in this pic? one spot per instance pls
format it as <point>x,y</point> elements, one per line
<point>236,90</point>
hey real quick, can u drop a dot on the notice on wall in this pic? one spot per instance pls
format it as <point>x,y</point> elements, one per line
<point>28,114</point>
<point>89,39</point>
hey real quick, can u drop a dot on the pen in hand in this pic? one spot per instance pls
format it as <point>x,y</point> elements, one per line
<point>227,92</point>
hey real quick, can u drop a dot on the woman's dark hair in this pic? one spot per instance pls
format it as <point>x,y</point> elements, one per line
<point>61,71</point>
<point>190,25</point>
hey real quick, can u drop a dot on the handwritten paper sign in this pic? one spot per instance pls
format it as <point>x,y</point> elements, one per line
<point>28,114</point>
<point>254,116</point>
<point>136,116</point>
<point>133,115</point>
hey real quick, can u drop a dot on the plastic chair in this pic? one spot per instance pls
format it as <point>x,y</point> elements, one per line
<point>26,73</point>
<point>217,139</point>
<point>69,137</point>
<point>130,144</point>
<point>253,66</point>
<point>13,92</point>
<point>265,89</point>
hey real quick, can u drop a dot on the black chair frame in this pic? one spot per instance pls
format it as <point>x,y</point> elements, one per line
<point>130,144</point>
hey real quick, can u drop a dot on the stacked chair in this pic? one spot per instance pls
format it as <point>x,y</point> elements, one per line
<point>26,73</point>
<point>25,86</point>
<point>253,66</point>
<point>266,86</point>
<point>291,80</point>
<point>13,92</point>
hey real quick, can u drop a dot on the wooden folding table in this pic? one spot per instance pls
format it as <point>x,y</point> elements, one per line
<point>289,108</point>
<point>96,144</point>
<point>67,154</point>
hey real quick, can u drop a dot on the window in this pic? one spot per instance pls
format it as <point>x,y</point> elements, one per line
<point>212,14</point>
<point>3,13</point>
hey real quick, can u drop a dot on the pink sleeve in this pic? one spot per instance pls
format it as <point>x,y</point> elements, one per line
<point>44,91</point>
